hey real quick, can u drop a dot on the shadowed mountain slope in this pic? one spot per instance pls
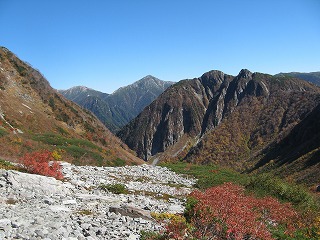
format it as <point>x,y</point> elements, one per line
<point>219,118</point>
<point>117,109</point>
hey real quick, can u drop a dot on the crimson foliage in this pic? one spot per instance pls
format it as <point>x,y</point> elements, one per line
<point>41,163</point>
<point>226,212</point>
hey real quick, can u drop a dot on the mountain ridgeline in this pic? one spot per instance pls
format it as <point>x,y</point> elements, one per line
<point>117,109</point>
<point>313,77</point>
<point>33,117</point>
<point>233,121</point>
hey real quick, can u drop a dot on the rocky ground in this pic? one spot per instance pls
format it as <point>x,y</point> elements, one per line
<point>39,207</point>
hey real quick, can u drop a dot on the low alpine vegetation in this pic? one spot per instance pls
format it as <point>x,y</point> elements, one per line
<point>42,163</point>
<point>114,188</point>
<point>226,212</point>
<point>229,205</point>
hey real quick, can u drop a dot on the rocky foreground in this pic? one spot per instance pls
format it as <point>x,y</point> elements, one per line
<point>39,207</point>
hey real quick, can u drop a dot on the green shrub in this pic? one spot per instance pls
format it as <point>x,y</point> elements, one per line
<point>3,132</point>
<point>52,103</point>
<point>75,151</point>
<point>114,188</point>
<point>149,235</point>
<point>54,139</point>
<point>189,209</point>
<point>267,184</point>
<point>119,162</point>
<point>62,131</point>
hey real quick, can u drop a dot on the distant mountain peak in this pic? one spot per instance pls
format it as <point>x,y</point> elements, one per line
<point>117,109</point>
<point>80,88</point>
<point>149,77</point>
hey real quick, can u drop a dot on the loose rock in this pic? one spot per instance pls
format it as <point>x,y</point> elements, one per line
<point>39,207</point>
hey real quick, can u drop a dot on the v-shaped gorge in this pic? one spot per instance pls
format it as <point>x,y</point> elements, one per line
<point>223,119</point>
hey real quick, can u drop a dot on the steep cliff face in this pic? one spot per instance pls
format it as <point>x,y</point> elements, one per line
<point>34,116</point>
<point>190,107</point>
<point>117,109</point>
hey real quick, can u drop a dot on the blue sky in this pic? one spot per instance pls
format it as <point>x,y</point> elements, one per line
<point>106,44</point>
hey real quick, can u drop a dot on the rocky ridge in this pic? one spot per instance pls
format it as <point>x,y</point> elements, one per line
<point>117,109</point>
<point>39,207</point>
<point>191,108</point>
<point>231,121</point>
<point>313,77</point>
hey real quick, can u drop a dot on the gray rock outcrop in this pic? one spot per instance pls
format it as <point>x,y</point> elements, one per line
<point>39,207</point>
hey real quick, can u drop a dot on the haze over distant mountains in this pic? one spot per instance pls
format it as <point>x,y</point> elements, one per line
<point>117,109</point>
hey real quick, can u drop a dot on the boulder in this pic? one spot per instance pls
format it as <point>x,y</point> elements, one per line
<point>34,183</point>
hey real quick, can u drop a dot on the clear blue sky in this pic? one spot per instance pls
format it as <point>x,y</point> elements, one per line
<point>105,44</point>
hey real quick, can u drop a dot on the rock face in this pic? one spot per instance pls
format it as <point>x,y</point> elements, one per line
<point>194,107</point>
<point>117,109</point>
<point>221,119</point>
<point>38,207</point>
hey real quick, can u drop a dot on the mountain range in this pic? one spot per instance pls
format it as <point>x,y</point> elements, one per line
<point>252,122</point>
<point>117,109</point>
<point>33,116</point>
<point>236,121</point>
<point>313,77</point>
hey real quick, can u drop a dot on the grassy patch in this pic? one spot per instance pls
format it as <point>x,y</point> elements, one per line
<point>269,185</point>
<point>82,151</point>
<point>8,165</point>
<point>155,195</point>
<point>62,131</point>
<point>118,162</point>
<point>207,176</point>
<point>57,140</point>
<point>149,235</point>
<point>114,188</point>
<point>260,185</point>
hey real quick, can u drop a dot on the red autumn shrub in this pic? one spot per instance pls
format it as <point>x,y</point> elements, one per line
<point>225,212</point>
<point>41,163</point>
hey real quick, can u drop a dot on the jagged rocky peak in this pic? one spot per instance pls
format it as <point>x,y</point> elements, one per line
<point>212,77</point>
<point>216,74</point>
<point>192,108</point>
<point>245,73</point>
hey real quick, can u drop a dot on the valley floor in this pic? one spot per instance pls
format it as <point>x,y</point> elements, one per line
<point>81,207</point>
